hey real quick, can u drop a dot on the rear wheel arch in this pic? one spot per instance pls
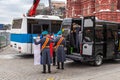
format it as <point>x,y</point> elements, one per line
<point>99,52</point>
<point>98,59</point>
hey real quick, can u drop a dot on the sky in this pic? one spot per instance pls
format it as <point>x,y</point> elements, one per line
<point>10,9</point>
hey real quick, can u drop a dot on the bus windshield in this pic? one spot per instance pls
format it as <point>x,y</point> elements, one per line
<point>17,24</point>
<point>36,26</point>
<point>66,30</point>
<point>55,26</point>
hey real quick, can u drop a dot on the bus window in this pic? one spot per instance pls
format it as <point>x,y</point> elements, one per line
<point>66,26</point>
<point>99,35</point>
<point>109,35</point>
<point>45,27</point>
<point>36,29</point>
<point>17,24</point>
<point>88,35</point>
<point>66,30</point>
<point>119,41</point>
<point>115,34</point>
<point>55,27</point>
<point>30,25</point>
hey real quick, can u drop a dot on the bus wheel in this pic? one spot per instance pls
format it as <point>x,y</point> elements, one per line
<point>98,60</point>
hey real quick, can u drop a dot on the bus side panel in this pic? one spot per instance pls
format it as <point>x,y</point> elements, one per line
<point>30,43</point>
<point>99,49</point>
<point>21,42</point>
<point>24,26</point>
<point>20,47</point>
<point>13,45</point>
<point>30,48</point>
<point>27,48</point>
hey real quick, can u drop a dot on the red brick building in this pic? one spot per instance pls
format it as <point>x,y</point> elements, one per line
<point>102,9</point>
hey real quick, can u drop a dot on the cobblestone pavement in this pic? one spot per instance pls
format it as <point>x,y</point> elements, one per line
<point>14,66</point>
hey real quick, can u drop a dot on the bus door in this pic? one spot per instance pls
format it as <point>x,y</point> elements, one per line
<point>118,41</point>
<point>111,38</point>
<point>55,26</point>
<point>88,36</point>
<point>110,44</point>
<point>35,29</point>
<point>66,28</point>
<point>75,35</point>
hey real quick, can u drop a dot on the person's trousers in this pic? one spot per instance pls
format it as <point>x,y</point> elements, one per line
<point>54,59</point>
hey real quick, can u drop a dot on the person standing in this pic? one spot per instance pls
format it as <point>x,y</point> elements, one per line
<point>60,53</point>
<point>37,51</point>
<point>77,38</point>
<point>52,52</point>
<point>73,36</point>
<point>45,52</point>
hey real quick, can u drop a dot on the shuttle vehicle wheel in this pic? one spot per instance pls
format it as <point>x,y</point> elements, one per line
<point>98,60</point>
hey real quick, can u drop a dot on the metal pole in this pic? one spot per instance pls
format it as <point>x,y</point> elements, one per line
<point>32,38</point>
<point>0,40</point>
<point>6,37</point>
<point>50,7</point>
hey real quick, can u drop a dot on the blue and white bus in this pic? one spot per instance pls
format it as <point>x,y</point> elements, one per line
<point>24,29</point>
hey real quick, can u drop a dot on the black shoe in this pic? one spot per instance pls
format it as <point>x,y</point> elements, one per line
<point>57,68</point>
<point>49,71</point>
<point>54,65</point>
<point>62,65</point>
<point>58,65</point>
<point>44,69</point>
<point>44,72</point>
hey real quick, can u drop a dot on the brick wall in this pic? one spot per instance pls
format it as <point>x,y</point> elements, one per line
<point>110,5</point>
<point>103,9</point>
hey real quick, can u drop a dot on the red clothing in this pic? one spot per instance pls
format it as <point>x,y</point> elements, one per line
<point>51,49</point>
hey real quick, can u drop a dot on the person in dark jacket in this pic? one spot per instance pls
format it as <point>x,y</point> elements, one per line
<point>60,52</point>
<point>45,53</point>
<point>75,40</point>
<point>77,31</point>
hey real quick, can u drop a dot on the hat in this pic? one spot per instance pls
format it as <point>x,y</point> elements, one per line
<point>44,32</point>
<point>59,33</point>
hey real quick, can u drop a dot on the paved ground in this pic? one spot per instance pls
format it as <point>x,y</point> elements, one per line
<point>14,66</point>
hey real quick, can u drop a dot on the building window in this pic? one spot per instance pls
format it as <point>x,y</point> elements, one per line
<point>118,4</point>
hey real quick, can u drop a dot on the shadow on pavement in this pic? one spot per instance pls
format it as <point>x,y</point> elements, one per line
<point>16,56</point>
<point>106,62</point>
<point>25,56</point>
<point>72,64</point>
